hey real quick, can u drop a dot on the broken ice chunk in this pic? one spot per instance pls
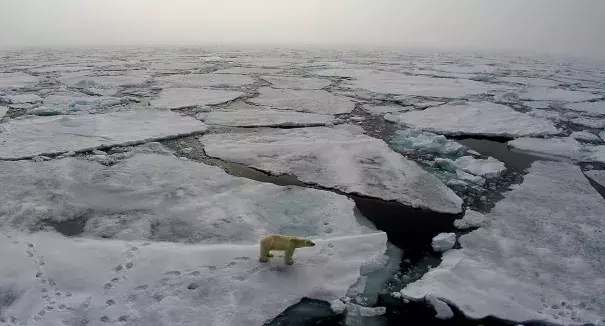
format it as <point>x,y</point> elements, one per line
<point>471,219</point>
<point>441,308</point>
<point>443,242</point>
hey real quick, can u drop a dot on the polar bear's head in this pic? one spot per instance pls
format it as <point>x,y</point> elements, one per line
<point>301,242</point>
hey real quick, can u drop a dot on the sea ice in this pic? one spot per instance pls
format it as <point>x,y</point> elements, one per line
<point>313,101</point>
<point>337,306</point>
<point>555,94</point>
<point>597,176</point>
<point>108,85</point>
<point>3,111</point>
<point>541,82</point>
<point>426,142</point>
<point>22,98</point>
<point>15,80</point>
<point>553,115</point>
<point>487,168</point>
<point>164,198</point>
<point>381,110</point>
<point>471,219</point>
<point>602,135</point>
<point>204,80</point>
<point>586,136</point>
<point>297,82</point>
<point>443,311</point>
<point>93,282</point>
<point>538,104</point>
<point>357,315</point>
<point>35,136</point>
<point>341,158</point>
<point>443,242</point>
<point>559,148</point>
<point>538,258</point>
<point>77,103</point>
<point>248,71</point>
<point>265,118</point>
<point>595,108</point>
<point>595,123</point>
<point>478,118</point>
<point>175,98</point>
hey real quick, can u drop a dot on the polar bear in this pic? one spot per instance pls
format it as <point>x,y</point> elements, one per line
<point>280,242</point>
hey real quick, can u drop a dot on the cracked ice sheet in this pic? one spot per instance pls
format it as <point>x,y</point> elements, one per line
<point>555,94</point>
<point>22,98</point>
<point>541,246</point>
<point>165,198</point>
<point>35,136</point>
<point>105,82</point>
<point>478,118</point>
<point>171,284</point>
<point>313,101</point>
<point>559,149</point>
<point>530,81</point>
<point>297,82</point>
<point>175,98</point>
<point>3,111</point>
<point>265,118</point>
<point>592,108</point>
<point>14,80</point>
<point>341,158</point>
<point>204,80</point>
<point>597,176</point>
<point>398,84</point>
<point>77,103</point>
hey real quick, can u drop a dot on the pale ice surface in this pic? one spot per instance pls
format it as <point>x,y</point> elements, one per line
<point>204,80</point>
<point>15,80</point>
<point>559,148</point>
<point>555,94</point>
<point>442,310</point>
<point>553,115</point>
<point>487,168</point>
<point>22,98</point>
<point>92,282</point>
<point>265,118</point>
<point>313,101</point>
<point>383,109</point>
<point>297,82</point>
<point>596,123</point>
<point>471,219</point>
<point>586,136</point>
<point>3,110</point>
<point>165,198</point>
<point>538,104</point>
<point>248,71</point>
<point>530,81</point>
<point>478,118</point>
<point>597,176</point>
<point>77,103</point>
<point>175,98</point>
<point>595,108</point>
<point>426,142</point>
<point>337,306</point>
<point>35,136</point>
<point>357,315</point>
<point>443,242</point>
<point>602,135</point>
<point>107,82</point>
<point>538,258</point>
<point>342,158</point>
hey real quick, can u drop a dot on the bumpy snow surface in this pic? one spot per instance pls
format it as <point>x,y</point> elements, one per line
<point>538,258</point>
<point>488,168</point>
<point>54,135</point>
<point>14,80</point>
<point>443,241</point>
<point>205,80</point>
<point>342,158</point>
<point>156,197</point>
<point>478,118</point>
<point>560,148</point>
<point>53,280</point>
<point>266,117</point>
<point>313,101</point>
<point>297,82</point>
<point>555,94</point>
<point>3,111</point>
<point>596,108</point>
<point>174,98</point>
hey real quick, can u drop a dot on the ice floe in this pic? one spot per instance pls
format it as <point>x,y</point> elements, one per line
<point>555,94</point>
<point>15,80</point>
<point>79,282</point>
<point>553,115</point>
<point>3,111</point>
<point>471,219</point>
<point>341,158</point>
<point>560,148</point>
<point>76,103</point>
<point>381,110</point>
<point>314,101</point>
<point>296,82</point>
<point>597,176</point>
<point>595,108</point>
<point>538,258</point>
<point>25,138</point>
<point>442,310</point>
<point>175,98</point>
<point>478,118</point>
<point>204,80</point>
<point>596,123</point>
<point>487,168</point>
<point>265,118</point>
<point>541,82</point>
<point>443,242</point>
<point>22,98</point>
<point>426,142</point>
<point>586,137</point>
<point>105,85</point>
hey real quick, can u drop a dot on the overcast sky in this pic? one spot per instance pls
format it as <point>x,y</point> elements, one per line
<point>544,26</point>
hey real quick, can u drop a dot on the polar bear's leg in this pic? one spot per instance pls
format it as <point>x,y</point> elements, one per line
<point>269,254</point>
<point>264,254</point>
<point>288,257</point>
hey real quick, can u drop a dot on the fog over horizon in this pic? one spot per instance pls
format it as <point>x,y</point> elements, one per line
<point>536,26</point>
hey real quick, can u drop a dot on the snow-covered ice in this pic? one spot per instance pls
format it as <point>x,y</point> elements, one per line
<point>553,115</point>
<point>538,104</point>
<point>15,80</point>
<point>442,310</point>
<point>538,258</point>
<point>357,315</point>
<point>175,98</point>
<point>266,118</point>
<point>559,148</point>
<point>248,70</point>
<point>337,306</point>
<point>443,242</point>
<point>22,98</point>
<point>204,80</point>
<point>3,111</point>
<point>314,101</point>
<point>93,282</point>
<point>471,219</point>
<point>105,85</point>
<point>602,135</point>
<point>341,158</point>
<point>35,136</point>
<point>381,110</point>
<point>597,176</point>
<point>296,82</point>
<point>595,108</point>
<point>77,103</point>
<point>164,198</point>
<point>487,168</point>
<point>478,118</point>
<point>586,136</point>
<point>555,94</point>
<point>530,81</point>
<point>426,142</point>
<point>596,123</point>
